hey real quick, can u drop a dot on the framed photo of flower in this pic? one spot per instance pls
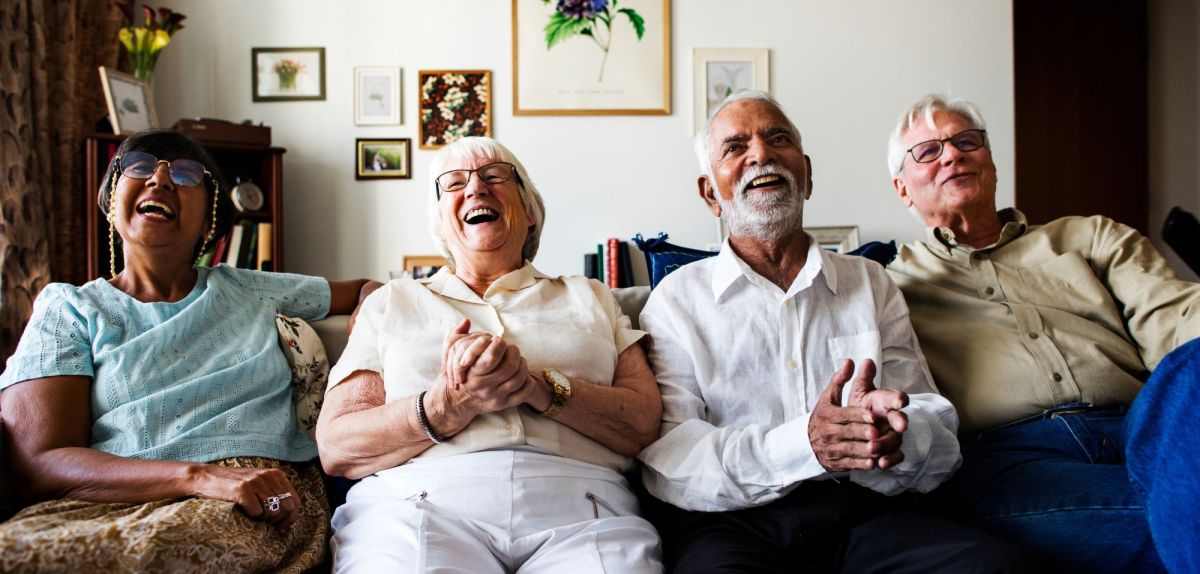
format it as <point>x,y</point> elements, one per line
<point>591,57</point>
<point>287,74</point>
<point>376,96</point>
<point>454,104</point>
<point>718,72</point>
<point>130,105</point>
<point>383,158</point>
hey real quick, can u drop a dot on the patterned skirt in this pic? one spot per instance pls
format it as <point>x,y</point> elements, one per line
<point>181,535</point>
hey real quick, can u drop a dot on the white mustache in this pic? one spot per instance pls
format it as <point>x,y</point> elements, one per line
<point>757,171</point>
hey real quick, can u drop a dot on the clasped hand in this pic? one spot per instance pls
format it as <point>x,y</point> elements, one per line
<point>865,433</point>
<point>484,370</point>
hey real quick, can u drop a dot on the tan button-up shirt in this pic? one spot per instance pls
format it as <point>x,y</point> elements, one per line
<point>572,324</point>
<point>1077,310</point>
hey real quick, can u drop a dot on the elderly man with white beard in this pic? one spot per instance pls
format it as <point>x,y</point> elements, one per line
<point>797,406</point>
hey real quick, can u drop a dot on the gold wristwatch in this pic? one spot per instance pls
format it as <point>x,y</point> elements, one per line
<point>562,391</point>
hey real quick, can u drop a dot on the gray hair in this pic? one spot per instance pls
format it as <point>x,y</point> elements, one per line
<point>704,147</point>
<point>484,148</point>
<point>925,108</point>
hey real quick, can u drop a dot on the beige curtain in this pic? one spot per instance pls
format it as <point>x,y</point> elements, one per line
<point>50,99</point>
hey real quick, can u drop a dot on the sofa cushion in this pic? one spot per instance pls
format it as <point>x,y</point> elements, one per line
<point>306,357</point>
<point>632,299</point>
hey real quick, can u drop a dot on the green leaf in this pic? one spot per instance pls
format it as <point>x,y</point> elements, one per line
<point>561,28</point>
<point>639,24</point>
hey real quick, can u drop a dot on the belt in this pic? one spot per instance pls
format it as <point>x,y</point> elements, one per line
<point>1061,410</point>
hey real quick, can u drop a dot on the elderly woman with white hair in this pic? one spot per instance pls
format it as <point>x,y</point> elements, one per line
<point>490,409</point>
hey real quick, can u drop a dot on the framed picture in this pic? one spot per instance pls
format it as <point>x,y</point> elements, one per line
<point>377,96</point>
<point>287,74</point>
<point>422,266</point>
<point>454,104</point>
<point>718,72</point>
<point>383,158</point>
<point>591,58</point>
<point>835,239</point>
<point>130,105</point>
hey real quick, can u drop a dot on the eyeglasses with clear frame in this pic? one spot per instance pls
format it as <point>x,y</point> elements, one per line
<point>457,179</point>
<point>141,165</point>
<point>964,141</point>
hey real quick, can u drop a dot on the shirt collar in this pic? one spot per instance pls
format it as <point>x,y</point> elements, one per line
<point>728,268</point>
<point>449,285</point>
<point>1015,225</point>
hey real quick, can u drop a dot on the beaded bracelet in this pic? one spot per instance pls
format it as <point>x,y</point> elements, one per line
<point>424,420</point>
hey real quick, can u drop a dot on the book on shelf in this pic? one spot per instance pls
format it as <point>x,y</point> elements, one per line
<point>626,267</point>
<point>613,278</point>
<point>249,246</point>
<point>218,252</point>
<point>264,247</point>
<point>234,246</point>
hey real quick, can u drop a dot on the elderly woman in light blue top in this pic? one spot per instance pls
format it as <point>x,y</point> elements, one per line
<point>163,389</point>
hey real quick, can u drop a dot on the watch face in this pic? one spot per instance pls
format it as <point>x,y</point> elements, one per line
<point>247,196</point>
<point>557,378</point>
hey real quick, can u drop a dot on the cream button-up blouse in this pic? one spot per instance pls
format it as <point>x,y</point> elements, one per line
<point>572,324</point>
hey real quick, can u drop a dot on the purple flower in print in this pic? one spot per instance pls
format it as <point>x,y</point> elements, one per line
<point>581,9</point>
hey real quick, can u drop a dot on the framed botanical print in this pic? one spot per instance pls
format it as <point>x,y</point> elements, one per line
<point>718,72</point>
<point>376,96</point>
<point>130,105</point>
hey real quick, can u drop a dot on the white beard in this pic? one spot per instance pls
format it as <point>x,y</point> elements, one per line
<point>761,215</point>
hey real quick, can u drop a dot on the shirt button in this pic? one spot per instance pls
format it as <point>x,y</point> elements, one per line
<point>791,364</point>
<point>1033,335</point>
<point>1057,377</point>
<point>990,291</point>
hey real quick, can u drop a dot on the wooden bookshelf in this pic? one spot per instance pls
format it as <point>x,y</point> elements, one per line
<point>262,164</point>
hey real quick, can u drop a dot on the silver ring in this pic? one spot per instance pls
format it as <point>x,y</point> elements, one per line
<point>273,501</point>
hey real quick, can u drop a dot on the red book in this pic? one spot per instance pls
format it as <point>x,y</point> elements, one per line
<point>219,252</point>
<point>612,263</point>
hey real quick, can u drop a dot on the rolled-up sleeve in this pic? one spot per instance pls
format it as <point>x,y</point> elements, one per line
<point>363,351</point>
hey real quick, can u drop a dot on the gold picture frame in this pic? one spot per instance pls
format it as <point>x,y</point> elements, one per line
<point>624,68</point>
<point>380,158</point>
<point>130,103</point>
<point>422,266</point>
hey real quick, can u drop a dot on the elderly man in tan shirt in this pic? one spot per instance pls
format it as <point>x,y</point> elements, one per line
<point>1043,336</point>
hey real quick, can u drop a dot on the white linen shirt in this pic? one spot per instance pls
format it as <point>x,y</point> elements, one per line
<point>572,324</point>
<point>741,364</point>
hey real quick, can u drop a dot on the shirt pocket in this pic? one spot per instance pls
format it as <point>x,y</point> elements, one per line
<point>857,348</point>
<point>1067,283</point>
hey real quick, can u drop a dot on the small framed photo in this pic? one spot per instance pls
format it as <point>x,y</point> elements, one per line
<point>422,266</point>
<point>383,158</point>
<point>718,72</point>
<point>377,96</point>
<point>130,105</point>
<point>454,104</point>
<point>287,74</point>
<point>835,239</point>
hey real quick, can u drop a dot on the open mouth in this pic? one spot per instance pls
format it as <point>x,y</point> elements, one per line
<point>481,215</point>
<point>155,209</point>
<point>766,181</point>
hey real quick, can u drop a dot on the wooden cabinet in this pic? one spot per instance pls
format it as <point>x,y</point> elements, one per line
<point>263,165</point>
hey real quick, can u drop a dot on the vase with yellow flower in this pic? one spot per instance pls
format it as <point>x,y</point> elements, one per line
<point>144,43</point>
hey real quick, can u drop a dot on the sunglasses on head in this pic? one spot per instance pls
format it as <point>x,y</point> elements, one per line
<point>141,165</point>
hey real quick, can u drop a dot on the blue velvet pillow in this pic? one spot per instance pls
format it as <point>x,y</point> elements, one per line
<point>662,257</point>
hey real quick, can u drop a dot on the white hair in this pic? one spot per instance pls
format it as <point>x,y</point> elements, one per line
<point>704,147</point>
<point>924,109</point>
<point>477,148</point>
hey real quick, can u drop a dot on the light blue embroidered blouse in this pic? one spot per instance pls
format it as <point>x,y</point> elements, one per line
<point>199,380</point>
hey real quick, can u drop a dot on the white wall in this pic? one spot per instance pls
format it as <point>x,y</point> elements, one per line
<point>843,70</point>
<point>1174,101</point>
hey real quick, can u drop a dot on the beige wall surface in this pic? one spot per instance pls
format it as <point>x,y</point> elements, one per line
<point>843,71</point>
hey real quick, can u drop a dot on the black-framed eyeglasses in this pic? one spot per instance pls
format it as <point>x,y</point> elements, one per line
<point>141,165</point>
<point>930,151</point>
<point>492,173</point>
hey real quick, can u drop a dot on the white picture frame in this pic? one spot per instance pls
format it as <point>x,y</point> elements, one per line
<point>841,239</point>
<point>377,96</point>
<point>130,105</point>
<point>717,72</point>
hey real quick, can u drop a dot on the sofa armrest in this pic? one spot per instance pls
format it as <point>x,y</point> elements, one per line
<point>332,331</point>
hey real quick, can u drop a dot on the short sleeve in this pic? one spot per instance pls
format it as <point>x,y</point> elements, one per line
<point>362,350</point>
<point>624,334</point>
<point>57,340</point>
<point>302,296</point>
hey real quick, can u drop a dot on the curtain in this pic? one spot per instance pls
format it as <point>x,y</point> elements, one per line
<point>50,99</point>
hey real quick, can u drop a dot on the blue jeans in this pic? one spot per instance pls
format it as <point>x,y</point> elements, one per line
<point>1099,491</point>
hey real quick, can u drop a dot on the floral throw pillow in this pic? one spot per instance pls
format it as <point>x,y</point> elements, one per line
<point>310,369</point>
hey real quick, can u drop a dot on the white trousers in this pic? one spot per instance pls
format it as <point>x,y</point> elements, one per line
<point>495,511</point>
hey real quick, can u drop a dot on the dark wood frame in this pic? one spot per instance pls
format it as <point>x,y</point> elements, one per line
<point>265,161</point>
<point>254,52</point>
<point>361,143</point>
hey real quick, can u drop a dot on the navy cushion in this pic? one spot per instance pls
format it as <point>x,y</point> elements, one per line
<point>663,257</point>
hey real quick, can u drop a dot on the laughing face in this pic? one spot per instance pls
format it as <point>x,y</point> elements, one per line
<point>954,184</point>
<point>158,213</point>
<point>485,220</point>
<point>760,176</point>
